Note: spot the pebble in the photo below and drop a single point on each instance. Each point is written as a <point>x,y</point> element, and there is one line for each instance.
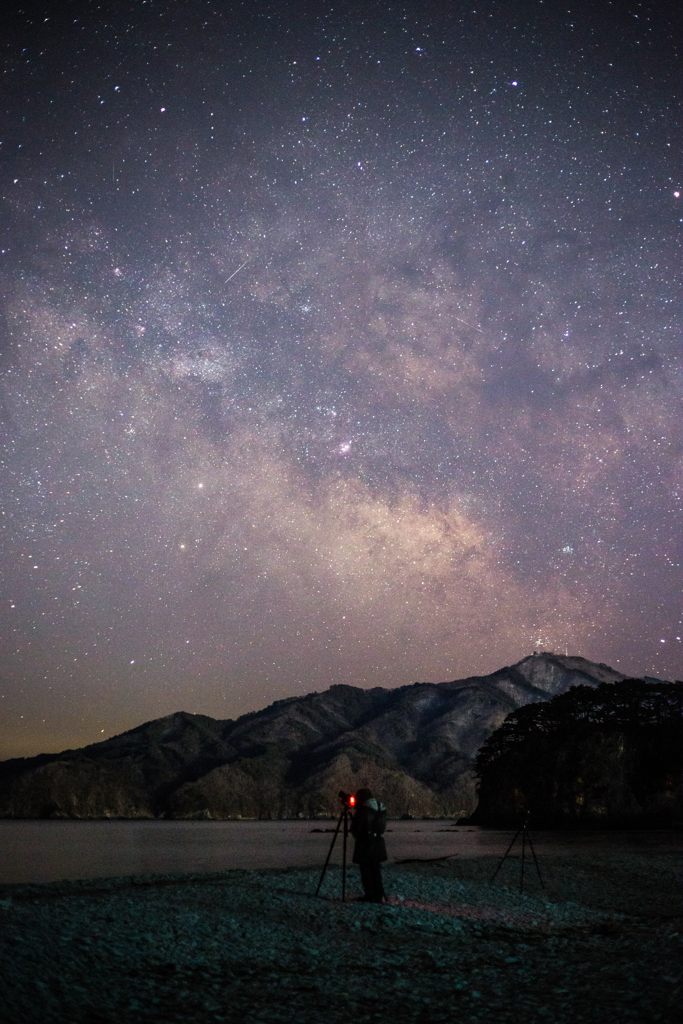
<point>602,941</point>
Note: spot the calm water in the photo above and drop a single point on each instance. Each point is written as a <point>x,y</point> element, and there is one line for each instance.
<point>47,851</point>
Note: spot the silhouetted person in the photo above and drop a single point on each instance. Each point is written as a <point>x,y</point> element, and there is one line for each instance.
<point>367,828</point>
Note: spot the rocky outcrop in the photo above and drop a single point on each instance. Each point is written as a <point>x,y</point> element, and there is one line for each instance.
<point>414,744</point>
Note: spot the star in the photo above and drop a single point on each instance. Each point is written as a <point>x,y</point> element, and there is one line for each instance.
<point>406,424</point>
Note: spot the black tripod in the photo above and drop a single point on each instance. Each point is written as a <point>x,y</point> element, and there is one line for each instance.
<point>344,817</point>
<point>526,838</point>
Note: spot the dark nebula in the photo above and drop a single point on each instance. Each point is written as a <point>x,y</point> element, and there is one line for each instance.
<point>340,343</point>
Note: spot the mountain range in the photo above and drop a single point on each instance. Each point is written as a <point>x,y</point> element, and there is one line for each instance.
<point>415,745</point>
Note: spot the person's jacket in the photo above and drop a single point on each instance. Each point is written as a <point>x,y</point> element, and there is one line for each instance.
<point>367,827</point>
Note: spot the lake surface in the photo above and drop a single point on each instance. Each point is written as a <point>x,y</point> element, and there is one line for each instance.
<point>48,851</point>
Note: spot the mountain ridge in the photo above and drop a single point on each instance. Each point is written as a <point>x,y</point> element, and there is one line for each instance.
<point>416,744</point>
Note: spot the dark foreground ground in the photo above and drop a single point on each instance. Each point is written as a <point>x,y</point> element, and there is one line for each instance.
<point>602,942</point>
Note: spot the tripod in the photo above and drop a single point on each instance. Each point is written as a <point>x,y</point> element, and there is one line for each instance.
<point>343,817</point>
<point>526,838</point>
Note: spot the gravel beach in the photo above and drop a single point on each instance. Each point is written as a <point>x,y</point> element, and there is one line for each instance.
<point>602,941</point>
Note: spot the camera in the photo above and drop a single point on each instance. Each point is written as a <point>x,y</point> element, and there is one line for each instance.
<point>347,799</point>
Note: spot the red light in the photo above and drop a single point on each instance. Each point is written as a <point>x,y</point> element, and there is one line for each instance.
<point>352,800</point>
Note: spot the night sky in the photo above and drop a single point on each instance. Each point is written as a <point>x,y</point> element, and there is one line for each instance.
<point>341,343</point>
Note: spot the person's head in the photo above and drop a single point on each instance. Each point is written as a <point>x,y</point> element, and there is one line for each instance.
<point>363,795</point>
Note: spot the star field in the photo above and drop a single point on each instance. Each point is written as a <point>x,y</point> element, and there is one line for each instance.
<point>340,345</point>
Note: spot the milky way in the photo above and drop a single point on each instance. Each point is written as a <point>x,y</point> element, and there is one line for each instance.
<point>340,345</point>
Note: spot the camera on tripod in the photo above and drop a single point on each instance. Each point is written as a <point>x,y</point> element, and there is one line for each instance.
<point>348,803</point>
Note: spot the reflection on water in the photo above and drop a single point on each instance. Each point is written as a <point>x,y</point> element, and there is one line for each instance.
<point>47,851</point>
<point>42,851</point>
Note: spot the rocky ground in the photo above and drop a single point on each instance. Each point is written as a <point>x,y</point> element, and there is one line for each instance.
<point>603,941</point>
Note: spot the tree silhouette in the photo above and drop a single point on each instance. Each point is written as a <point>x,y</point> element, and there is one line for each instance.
<point>537,758</point>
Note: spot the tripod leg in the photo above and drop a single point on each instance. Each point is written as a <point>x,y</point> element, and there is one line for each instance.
<point>533,853</point>
<point>521,884</point>
<point>329,853</point>
<point>503,858</point>
<point>346,833</point>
